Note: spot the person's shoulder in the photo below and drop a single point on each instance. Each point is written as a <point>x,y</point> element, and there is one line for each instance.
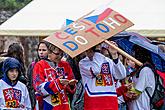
<point>41,62</point>
<point>86,59</point>
<point>97,54</point>
<point>100,56</point>
<point>3,84</point>
<point>21,84</point>
<point>31,64</point>
<point>1,81</point>
<point>63,62</point>
<point>146,70</point>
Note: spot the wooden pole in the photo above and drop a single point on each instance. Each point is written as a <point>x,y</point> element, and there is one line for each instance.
<point>124,53</point>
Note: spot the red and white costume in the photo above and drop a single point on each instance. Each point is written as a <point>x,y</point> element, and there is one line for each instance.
<point>46,83</point>
<point>98,79</point>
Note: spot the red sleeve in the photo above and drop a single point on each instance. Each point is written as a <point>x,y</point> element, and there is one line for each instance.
<point>121,90</point>
<point>67,69</point>
<point>55,86</point>
<point>70,89</point>
<point>39,79</point>
<point>38,74</point>
<point>69,73</point>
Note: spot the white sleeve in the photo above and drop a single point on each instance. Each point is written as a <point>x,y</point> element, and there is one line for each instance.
<point>118,70</point>
<point>84,70</point>
<point>27,99</point>
<point>145,79</point>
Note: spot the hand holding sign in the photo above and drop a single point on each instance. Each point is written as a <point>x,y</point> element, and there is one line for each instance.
<point>112,50</point>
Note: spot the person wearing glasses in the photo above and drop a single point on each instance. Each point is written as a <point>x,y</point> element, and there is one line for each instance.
<point>53,79</point>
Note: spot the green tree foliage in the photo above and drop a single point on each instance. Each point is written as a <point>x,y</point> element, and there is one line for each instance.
<point>13,4</point>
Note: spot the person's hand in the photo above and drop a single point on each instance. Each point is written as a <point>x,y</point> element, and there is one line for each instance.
<point>129,86</point>
<point>73,82</point>
<point>64,81</point>
<point>132,95</point>
<point>112,50</point>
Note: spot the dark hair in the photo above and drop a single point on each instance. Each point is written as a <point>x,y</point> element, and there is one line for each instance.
<point>142,54</point>
<point>95,49</point>
<point>42,42</point>
<point>15,50</point>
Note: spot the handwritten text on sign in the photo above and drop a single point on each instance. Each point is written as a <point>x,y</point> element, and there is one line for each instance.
<point>89,31</point>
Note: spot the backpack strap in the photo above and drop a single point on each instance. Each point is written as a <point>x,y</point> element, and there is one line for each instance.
<point>81,92</point>
<point>157,80</point>
<point>148,93</point>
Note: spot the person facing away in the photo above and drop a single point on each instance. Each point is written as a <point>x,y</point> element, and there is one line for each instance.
<point>13,93</point>
<point>15,50</point>
<point>98,73</point>
<point>52,79</point>
<point>143,80</point>
<point>42,53</point>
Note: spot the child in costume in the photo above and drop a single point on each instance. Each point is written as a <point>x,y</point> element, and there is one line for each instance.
<point>13,93</point>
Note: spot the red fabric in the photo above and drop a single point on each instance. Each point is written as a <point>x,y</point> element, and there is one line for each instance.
<point>162,75</point>
<point>71,91</point>
<point>67,69</point>
<point>40,76</point>
<point>121,90</point>
<point>53,86</point>
<point>40,102</point>
<point>100,103</point>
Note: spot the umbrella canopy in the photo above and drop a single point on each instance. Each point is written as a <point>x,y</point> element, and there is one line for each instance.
<point>127,40</point>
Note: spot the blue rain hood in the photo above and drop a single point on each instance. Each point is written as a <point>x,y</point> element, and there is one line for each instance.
<point>8,64</point>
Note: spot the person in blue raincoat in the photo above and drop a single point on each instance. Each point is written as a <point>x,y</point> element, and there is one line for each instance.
<point>13,93</point>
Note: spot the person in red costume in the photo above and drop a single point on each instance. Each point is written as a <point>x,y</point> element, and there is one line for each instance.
<point>52,80</point>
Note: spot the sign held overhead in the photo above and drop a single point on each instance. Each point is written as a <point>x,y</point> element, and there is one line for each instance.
<point>89,31</point>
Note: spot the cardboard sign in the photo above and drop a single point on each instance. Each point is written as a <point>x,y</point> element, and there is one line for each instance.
<point>89,31</point>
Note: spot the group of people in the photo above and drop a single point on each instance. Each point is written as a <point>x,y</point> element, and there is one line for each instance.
<point>53,79</point>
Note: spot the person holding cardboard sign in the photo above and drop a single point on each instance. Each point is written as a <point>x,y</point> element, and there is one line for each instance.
<point>52,80</point>
<point>98,73</point>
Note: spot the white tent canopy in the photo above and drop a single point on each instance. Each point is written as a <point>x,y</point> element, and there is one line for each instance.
<point>147,15</point>
<point>43,17</point>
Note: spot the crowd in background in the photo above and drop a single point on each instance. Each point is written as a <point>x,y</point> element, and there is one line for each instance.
<point>98,79</point>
